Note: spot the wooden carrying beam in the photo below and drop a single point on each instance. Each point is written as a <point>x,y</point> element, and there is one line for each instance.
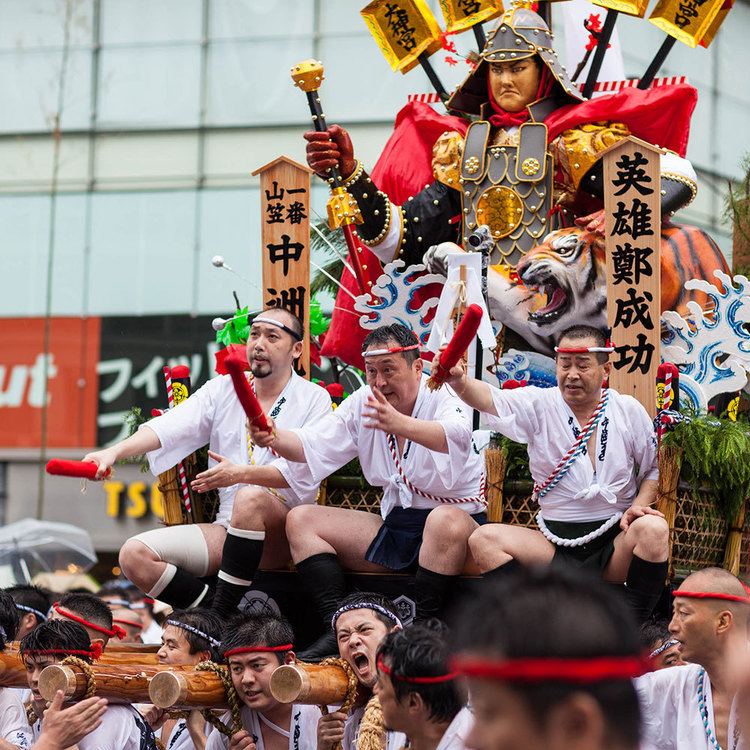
<point>12,670</point>
<point>130,684</point>
<point>187,688</point>
<point>117,657</point>
<point>313,684</point>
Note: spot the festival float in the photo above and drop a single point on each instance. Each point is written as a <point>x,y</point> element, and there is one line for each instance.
<point>462,227</point>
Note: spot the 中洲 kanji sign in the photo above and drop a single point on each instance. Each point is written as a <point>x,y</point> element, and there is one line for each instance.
<point>632,203</point>
<point>285,242</point>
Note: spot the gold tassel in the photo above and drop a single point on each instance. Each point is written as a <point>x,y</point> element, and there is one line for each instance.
<point>734,542</point>
<point>372,733</point>
<point>670,463</point>
<point>496,461</point>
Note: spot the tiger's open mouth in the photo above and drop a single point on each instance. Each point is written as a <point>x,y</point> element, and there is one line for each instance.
<point>558,298</point>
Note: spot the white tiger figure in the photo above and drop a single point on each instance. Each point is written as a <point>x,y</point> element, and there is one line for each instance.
<point>562,281</point>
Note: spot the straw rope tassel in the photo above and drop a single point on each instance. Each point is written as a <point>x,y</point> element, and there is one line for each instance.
<point>496,462</point>
<point>734,541</point>
<point>670,462</point>
<point>372,732</point>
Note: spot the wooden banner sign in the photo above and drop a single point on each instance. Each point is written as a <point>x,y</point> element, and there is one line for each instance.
<point>285,238</point>
<point>632,204</point>
<point>404,30</point>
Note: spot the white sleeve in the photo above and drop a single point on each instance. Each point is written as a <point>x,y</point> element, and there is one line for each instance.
<point>297,475</point>
<point>331,442</point>
<point>455,420</point>
<point>13,725</point>
<point>184,429</point>
<point>387,248</point>
<point>516,416</point>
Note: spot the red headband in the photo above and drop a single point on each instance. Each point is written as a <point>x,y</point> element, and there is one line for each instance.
<point>713,595</point>
<point>258,649</point>
<point>132,624</point>
<point>391,350</point>
<point>565,670</point>
<point>432,680</point>
<point>95,652</point>
<point>116,629</point>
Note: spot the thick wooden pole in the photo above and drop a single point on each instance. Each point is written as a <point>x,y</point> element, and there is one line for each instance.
<point>120,658</point>
<point>312,684</point>
<point>114,646</point>
<point>129,684</point>
<point>187,689</point>
<point>12,670</point>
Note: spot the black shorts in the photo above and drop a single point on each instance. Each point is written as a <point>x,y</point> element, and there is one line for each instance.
<point>592,557</point>
<point>397,543</point>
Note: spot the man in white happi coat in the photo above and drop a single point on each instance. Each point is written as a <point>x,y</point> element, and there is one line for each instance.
<point>253,650</point>
<point>414,443</point>
<point>169,563</point>
<point>361,623</point>
<point>189,637</point>
<point>419,694</point>
<point>121,727</point>
<point>694,706</point>
<point>595,507</point>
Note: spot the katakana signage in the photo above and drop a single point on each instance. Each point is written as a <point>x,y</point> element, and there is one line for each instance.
<point>632,204</point>
<point>285,242</point>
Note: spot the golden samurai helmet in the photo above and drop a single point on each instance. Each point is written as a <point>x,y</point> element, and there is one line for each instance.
<point>520,33</point>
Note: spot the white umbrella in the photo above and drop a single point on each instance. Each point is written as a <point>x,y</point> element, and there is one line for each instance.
<point>30,547</point>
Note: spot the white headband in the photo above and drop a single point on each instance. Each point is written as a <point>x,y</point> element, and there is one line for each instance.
<point>664,646</point>
<point>278,324</point>
<point>32,610</point>
<point>191,629</point>
<point>364,605</point>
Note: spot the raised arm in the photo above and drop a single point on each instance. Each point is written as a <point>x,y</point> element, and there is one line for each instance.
<point>381,415</point>
<point>143,441</point>
<point>285,442</point>
<point>472,392</point>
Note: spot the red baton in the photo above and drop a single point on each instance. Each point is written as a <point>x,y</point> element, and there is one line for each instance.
<point>457,346</point>
<point>64,468</point>
<point>236,370</point>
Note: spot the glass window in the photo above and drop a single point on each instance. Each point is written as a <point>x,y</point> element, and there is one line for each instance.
<point>29,85</point>
<point>149,87</point>
<point>249,82</point>
<point>230,227</point>
<point>142,252</point>
<point>40,23</point>
<point>25,222</point>
<point>144,21</point>
<point>235,19</point>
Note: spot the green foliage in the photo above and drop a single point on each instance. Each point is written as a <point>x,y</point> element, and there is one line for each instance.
<point>517,457</point>
<point>335,267</point>
<point>715,455</point>
<point>737,201</point>
<point>319,322</point>
<point>134,418</point>
<point>235,331</point>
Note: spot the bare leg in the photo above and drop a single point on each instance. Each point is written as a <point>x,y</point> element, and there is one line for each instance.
<point>495,544</point>
<point>321,541</point>
<point>315,529</point>
<point>445,544</point>
<point>647,538</point>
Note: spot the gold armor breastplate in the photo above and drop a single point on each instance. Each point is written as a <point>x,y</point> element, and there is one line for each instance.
<point>507,187</point>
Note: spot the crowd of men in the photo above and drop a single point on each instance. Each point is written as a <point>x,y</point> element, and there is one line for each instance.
<point>545,651</point>
<point>543,658</point>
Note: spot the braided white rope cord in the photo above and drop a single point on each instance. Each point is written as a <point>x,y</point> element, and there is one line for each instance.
<point>481,498</point>
<point>581,540</point>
